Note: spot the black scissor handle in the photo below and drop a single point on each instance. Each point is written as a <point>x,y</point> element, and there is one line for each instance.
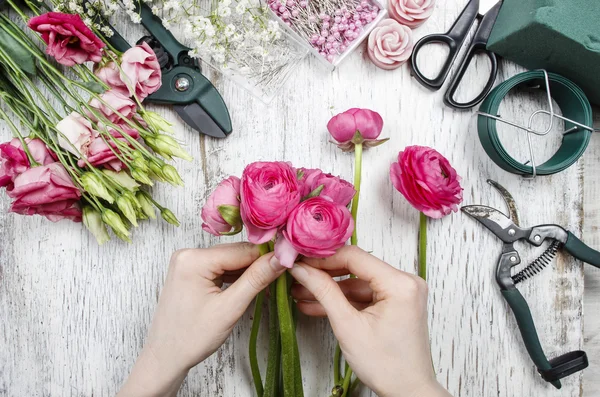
<point>454,39</point>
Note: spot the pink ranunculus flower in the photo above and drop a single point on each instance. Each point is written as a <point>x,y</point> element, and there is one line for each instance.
<point>269,192</point>
<point>316,228</point>
<point>110,74</point>
<point>227,193</point>
<point>334,188</point>
<point>390,44</point>
<point>114,100</point>
<point>344,126</point>
<point>14,160</point>
<point>76,134</point>
<point>69,40</point>
<point>48,191</point>
<point>427,180</point>
<point>141,71</point>
<point>411,13</point>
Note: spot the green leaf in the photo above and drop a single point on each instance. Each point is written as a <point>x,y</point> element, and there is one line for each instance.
<point>230,214</point>
<point>94,86</point>
<point>17,52</point>
<point>316,192</point>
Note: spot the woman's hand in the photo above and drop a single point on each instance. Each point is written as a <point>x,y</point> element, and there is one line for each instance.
<point>195,316</point>
<point>379,319</point>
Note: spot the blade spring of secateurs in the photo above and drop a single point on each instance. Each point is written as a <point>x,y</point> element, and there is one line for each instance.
<point>539,264</point>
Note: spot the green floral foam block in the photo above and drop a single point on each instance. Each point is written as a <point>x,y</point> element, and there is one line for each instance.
<point>561,36</point>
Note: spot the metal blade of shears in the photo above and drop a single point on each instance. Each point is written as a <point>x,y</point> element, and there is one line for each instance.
<point>198,119</point>
<point>509,200</point>
<point>496,222</point>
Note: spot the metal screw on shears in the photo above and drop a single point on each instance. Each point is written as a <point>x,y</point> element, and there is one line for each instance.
<point>537,238</point>
<point>511,232</point>
<point>513,259</point>
<point>182,84</point>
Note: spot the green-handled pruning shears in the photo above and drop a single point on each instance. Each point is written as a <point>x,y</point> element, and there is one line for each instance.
<point>193,97</point>
<point>508,230</point>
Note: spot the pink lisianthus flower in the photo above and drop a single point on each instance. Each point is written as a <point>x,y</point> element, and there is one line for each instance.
<point>69,40</point>
<point>427,180</point>
<point>110,74</point>
<point>141,71</point>
<point>227,195</point>
<point>99,153</point>
<point>356,126</point>
<point>316,228</point>
<point>14,160</point>
<point>269,192</point>
<point>110,100</point>
<point>335,188</point>
<point>48,191</point>
<point>75,134</point>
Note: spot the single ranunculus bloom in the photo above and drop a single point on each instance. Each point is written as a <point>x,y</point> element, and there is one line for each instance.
<point>114,102</point>
<point>69,40</point>
<point>141,71</point>
<point>316,228</point>
<point>269,192</point>
<point>345,126</point>
<point>411,13</point>
<point>335,188</point>
<point>48,191</point>
<point>226,194</point>
<point>76,134</point>
<point>14,160</point>
<point>110,74</point>
<point>427,180</point>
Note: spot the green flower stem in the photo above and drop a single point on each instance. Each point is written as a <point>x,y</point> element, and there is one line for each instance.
<point>358,149</point>
<point>346,383</point>
<point>354,385</point>
<point>274,357</point>
<point>423,246</point>
<point>337,363</point>
<point>258,385</point>
<point>289,348</point>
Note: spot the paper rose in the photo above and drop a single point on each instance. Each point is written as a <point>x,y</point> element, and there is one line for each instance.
<point>356,126</point>
<point>69,40</point>
<point>390,44</point>
<point>411,13</point>
<point>221,213</point>
<point>427,180</point>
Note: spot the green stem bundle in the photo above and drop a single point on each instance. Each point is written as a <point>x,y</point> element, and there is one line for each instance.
<point>423,246</point>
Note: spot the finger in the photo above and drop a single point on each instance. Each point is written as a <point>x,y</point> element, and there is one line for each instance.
<point>379,274</point>
<point>214,261</point>
<point>326,291</point>
<point>354,289</point>
<point>256,278</point>
<point>315,309</point>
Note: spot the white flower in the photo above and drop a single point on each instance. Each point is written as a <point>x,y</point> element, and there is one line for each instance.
<point>224,3</point>
<point>229,30</point>
<point>166,24</point>
<point>273,27</point>
<point>224,11</point>
<point>241,8</point>
<point>218,57</point>
<point>155,10</point>
<point>258,50</point>
<point>209,31</point>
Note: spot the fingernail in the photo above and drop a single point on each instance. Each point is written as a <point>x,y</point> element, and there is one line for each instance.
<point>299,273</point>
<point>275,264</point>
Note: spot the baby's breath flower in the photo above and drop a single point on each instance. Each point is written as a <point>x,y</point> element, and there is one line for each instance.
<point>229,30</point>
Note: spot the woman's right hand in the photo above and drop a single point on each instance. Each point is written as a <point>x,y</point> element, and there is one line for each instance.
<point>382,330</point>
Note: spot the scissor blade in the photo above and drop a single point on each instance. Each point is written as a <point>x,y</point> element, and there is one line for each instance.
<point>198,119</point>
<point>496,222</point>
<point>508,199</point>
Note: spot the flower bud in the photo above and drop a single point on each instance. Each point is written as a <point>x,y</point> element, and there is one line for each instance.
<point>141,176</point>
<point>169,217</point>
<point>92,219</point>
<point>94,186</point>
<point>113,220</point>
<point>146,205</point>
<point>157,122</point>
<point>127,208</point>
<point>167,147</point>
<point>122,179</point>
<point>156,171</point>
<point>171,175</point>
<point>139,161</point>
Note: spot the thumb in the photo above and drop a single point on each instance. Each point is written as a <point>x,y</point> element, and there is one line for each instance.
<point>326,291</point>
<point>256,278</point>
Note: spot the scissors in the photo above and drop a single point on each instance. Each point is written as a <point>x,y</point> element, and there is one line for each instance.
<point>454,39</point>
<point>507,229</point>
<point>192,95</point>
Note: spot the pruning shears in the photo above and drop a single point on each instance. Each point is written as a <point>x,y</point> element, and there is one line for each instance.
<point>192,95</point>
<point>507,229</point>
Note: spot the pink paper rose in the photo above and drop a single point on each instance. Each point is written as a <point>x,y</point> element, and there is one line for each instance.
<point>226,194</point>
<point>110,74</point>
<point>411,13</point>
<point>316,228</point>
<point>14,161</point>
<point>344,126</point>
<point>114,100</point>
<point>427,180</point>
<point>141,71</point>
<point>269,192</point>
<point>334,188</point>
<point>69,40</point>
<point>48,191</point>
<point>390,44</point>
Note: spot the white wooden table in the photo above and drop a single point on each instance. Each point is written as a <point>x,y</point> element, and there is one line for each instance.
<point>73,316</point>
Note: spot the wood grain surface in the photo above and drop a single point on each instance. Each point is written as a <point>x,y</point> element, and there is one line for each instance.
<point>73,316</point>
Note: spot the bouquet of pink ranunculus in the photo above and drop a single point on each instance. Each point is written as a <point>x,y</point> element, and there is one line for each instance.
<point>293,211</point>
<point>85,150</point>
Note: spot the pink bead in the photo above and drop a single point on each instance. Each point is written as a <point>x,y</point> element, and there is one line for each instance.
<point>333,51</point>
<point>336,35</point>
<point>336,45</point>
<point>337,19</point>
<point>325,25</point>
<point>330,58</point>
<point>331,38</point>
<point>368,19</point>
<point>344,20</point>
<point>288,23</point>
<point>328,46</point>
<point>303,4</point>
<point>358,24</point>
<point>352,26</point>
<point>356,17</point>
<point>373,14</point>
<point>327,18</point>
<point>324,33</point>
<point>376,9</point>
<point>290,3</point>
<point>286,15</point>
<point>295,13</point>
<point>348,33</point>
<point>364,4</point>
<point>343,48</point>
<point>321,40</point>
<point>347,15</point>
<point>322,15</point>
<point>282,9</point>
<point>351,38</point>
<point>338,12</point>
<point>314,38</point>
<point>335,28</point>
<point>359,8</point>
